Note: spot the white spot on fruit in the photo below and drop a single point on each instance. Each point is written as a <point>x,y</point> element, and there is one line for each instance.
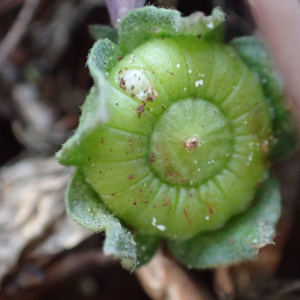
<point>135,81</point>
<point>159,227</point>
<point>178,65</point>
<point>199,82</point>
<point>210,25</point>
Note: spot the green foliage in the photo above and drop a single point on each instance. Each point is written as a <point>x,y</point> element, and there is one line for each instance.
<point>146,246</point>
<point>104,32</point>
<point>254,54</point>
<point>240,239</point>
<point>85,208</point>
<point>149,22</point>
<point>103,56</point>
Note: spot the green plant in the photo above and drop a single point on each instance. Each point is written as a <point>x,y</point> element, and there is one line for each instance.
<point>175,140</point>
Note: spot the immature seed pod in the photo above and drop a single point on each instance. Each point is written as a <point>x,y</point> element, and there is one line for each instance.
<point>186,143</point>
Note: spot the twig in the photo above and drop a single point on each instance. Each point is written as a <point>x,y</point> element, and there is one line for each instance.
<point>223,284</point>
<point>18,29</point>
<point>163,279</point>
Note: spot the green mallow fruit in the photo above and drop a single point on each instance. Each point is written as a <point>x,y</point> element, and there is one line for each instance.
<point>185,146</point>
<point>174,140</point>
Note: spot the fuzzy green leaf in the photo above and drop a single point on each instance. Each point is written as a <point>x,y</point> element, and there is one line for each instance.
<point>142,24</point>
<point>102,58</point>
<point>84,206</point>
<point>253,53</point>
<point>104,32</point>
<point>146,246</point>
<point>210,27</point>
<point>240,239</point>
<point>149,22</point>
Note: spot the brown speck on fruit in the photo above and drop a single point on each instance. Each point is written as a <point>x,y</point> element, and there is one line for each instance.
<point>185,213</point>
<point>132,87</point>
<point>117,103</point>
<point>134,202</point>
<point>122,83</point>
<point>199,36</point>
<point>149,98</point>
<point>120,58</point>
<point>89,158</point>
<point>190,194</point>
<point>112,194</point>
<point>145,201</point>
<point>140,109</point>
<point>166,203</point>
<point>152,158</point>
<point>211,211</point>
<point>129,142</point>
<point>102,141</point>
<point>130,176</point>
<point>132,94</point>
<point>265,148</point>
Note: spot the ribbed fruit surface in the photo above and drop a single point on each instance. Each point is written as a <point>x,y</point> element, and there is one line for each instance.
<point>187,139</point>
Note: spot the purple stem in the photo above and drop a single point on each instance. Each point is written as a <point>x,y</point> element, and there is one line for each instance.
<point>119,8</point>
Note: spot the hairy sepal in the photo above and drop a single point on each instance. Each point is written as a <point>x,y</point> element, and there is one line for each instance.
<point>149,22</point>
<point>240,239</point>
<point>102,57</point>
<point>252,51</point>
<point>146,247</point>
<point>98,32</point>
<point>210,27</point>
<point>85,207</point>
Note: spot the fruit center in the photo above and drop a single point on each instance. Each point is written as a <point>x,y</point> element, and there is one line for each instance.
<point>190,142</point>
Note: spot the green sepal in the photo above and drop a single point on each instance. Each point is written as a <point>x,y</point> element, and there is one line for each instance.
<point>141,25</point>
<point>102,57</point>
<point>104,32</point>
<point>252,51</point>
<point>146,247</point>
<point>85,207</point>
<point>240,239</point>
<point>210,27</point>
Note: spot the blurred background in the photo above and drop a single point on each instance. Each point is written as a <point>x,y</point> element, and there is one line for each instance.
<point>43,254</point>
